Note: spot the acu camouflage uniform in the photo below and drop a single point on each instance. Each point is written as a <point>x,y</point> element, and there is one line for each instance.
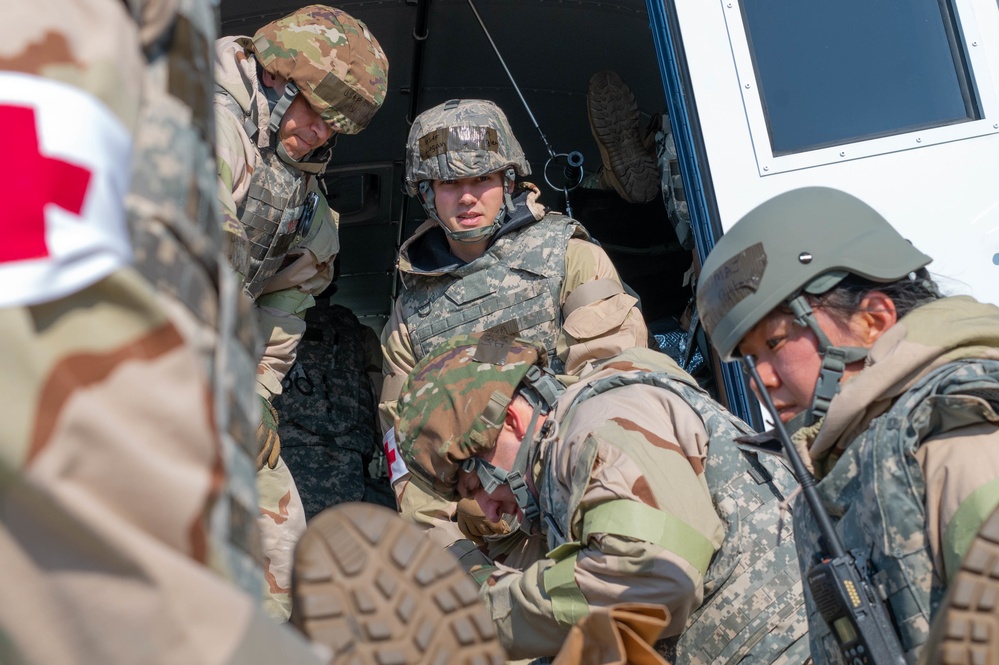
<point>127,485</point>
<point>611,487</point>
<point>644,498</point>
<point>328,421</point>
<point>282,265</point>
<point>908,457</point>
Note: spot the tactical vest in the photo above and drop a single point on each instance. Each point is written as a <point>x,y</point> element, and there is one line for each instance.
<point>876,496</point>
<point>270,213</point>
<point>753,610</point>
<point>177,242</point>
<point>518,279</point>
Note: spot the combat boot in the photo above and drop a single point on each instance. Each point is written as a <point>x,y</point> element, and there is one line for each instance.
<point>966,630</point>
<point>629,164</point>
<point>376,591</point>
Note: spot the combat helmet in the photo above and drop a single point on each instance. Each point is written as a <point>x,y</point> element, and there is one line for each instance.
<point>453,406</point>
<point>802,242</point>
<point>329,57</point>
<point>462,138</point>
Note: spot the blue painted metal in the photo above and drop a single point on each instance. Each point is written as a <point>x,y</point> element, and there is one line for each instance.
<point>696,179</point>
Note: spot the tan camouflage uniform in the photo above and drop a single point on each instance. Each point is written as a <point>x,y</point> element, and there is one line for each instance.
<point>643,498</point>
<point>127,457</point>
<point>910,474</point>
<point>281,270</point>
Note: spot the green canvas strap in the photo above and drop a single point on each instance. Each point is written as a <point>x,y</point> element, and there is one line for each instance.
<point>630,519</point>
<point>292,301</point>
<point>640,521</point>
<point>964,525</point>
<point>568,603</point>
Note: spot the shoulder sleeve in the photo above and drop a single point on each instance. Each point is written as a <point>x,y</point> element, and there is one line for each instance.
<point>398,360</point>
<point>961,470</point>
<point>599,319</point>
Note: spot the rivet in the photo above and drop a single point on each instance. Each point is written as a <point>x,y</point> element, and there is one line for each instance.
<point>995,125</point>
<point>974,43</point>
<point>805,257</point>
<point>842,154</point>
<point>766,168</point>
<point>747,86</point>
<point>919,140</point>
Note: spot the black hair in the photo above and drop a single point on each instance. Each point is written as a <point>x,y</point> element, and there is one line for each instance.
<point>908,293</point>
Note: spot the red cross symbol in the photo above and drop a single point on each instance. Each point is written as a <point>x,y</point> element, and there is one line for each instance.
<point>390,453</point>
<point>29,181</point>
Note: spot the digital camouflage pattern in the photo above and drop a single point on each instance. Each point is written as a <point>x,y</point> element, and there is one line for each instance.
<point>516,282</point>
<point>908,490</point>
<point>334,60</point>
<point>328,420</point>
<point>262,200</point>
<point>127,488</point>
<point>452,405</point>
<point>753,610</point>
<point>461,138</point>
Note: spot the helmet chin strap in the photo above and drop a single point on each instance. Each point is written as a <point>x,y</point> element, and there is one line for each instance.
<point>834,360</point>
<point>471,235</point>
<point>316,160</point>
<point>541,391</point>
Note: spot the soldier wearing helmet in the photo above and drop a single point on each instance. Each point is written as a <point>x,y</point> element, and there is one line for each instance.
<point>633,478</point>
<point>491,255</point>
<point>282,97</point>
<point>891,388</point>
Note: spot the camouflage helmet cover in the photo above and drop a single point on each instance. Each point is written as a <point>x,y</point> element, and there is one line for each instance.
<point>461,138</point>
<point>807,240</point>
<point>334,60</point>
<point>454,402</point>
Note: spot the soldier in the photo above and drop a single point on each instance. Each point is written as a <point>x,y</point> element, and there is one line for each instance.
<point>127,457</point>
<point>492,255</point>
<point>127,494</point>
<point>281,99</point>
<point>890,390</point>
<point>633,477</point>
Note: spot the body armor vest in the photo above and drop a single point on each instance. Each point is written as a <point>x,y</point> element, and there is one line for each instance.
<point>876,494</point>
<point>270,213</point>
<point>753,610</point>
<point>177,241</point>
<point>518,279</point>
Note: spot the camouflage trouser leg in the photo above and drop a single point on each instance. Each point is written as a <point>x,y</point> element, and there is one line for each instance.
<point>282,523</point>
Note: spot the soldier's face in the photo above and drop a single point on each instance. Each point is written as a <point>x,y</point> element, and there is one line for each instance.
<point>788,359</point>
<point>302,130</point>
<point>469,203</point>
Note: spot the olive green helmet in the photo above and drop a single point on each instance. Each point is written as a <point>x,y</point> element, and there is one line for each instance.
<point>803,241</point>
<point>332,59</point>
<point>454,402</point>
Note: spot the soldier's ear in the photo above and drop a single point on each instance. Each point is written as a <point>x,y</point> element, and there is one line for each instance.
<point>514,419</point>
<point>874,317</point>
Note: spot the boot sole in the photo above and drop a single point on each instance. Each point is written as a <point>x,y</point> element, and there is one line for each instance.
<point>967,630</point>
<point>376,591</point>
<point>614,121</point>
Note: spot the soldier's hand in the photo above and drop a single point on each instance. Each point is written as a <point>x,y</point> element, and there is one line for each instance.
<point>267,436</point>
<point>473,523</point>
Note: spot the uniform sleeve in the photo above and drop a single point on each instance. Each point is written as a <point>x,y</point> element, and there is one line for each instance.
<point>643,530</point>
<point>233,183</point>
<point>291,292</point>
<point>961,470</point>
<point>599,319</point>
<point>398,360</point>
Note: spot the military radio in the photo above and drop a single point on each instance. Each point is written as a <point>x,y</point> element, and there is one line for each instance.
<point>840,584</point>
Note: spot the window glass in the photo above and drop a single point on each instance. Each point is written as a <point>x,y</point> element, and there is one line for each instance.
<point>837,72</point>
